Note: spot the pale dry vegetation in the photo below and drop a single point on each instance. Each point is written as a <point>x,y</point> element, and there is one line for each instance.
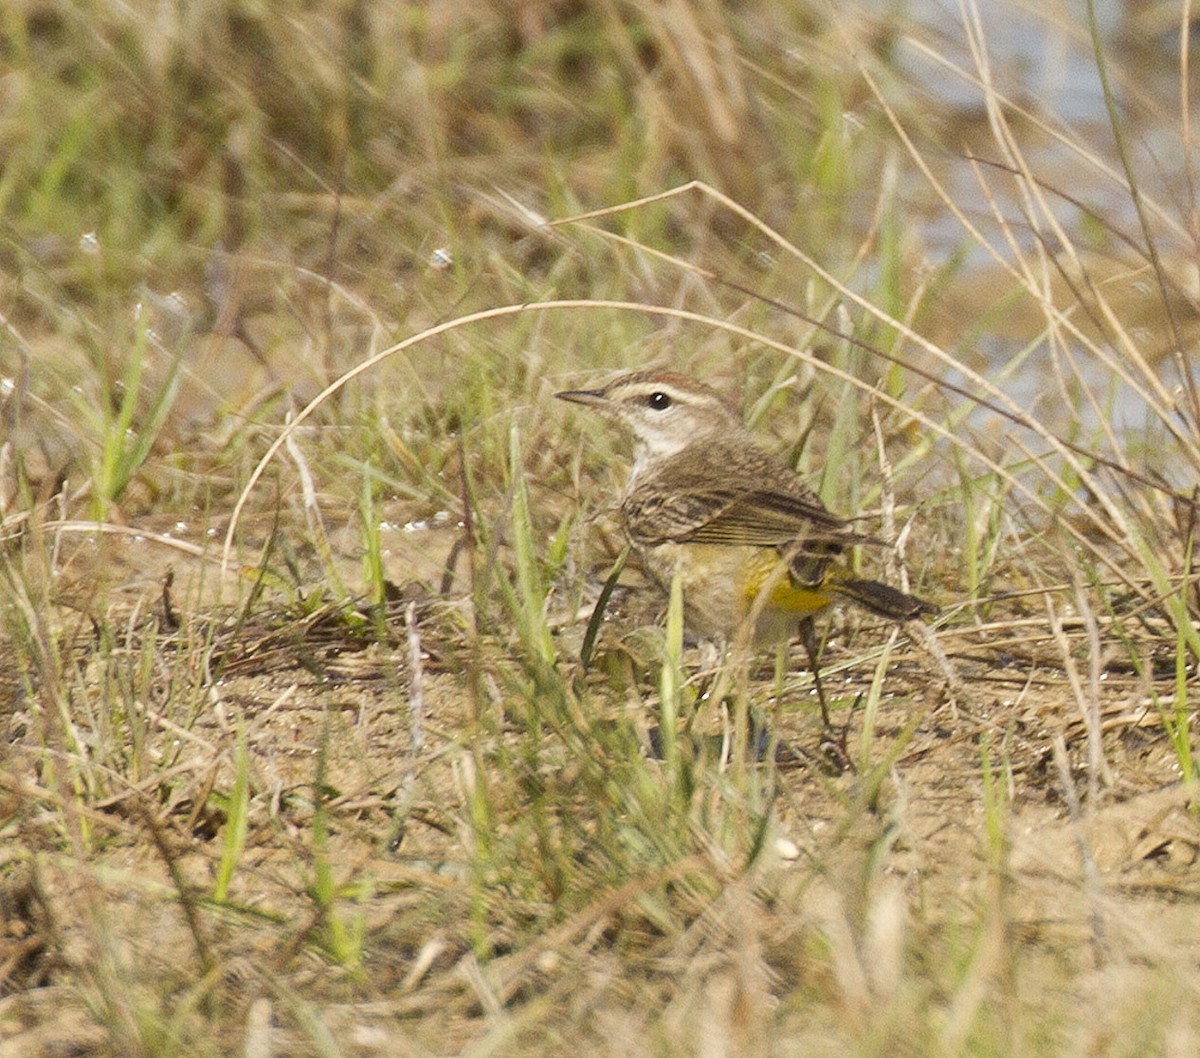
<point>312,743</point>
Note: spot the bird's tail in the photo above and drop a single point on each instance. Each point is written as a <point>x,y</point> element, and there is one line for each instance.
<point>881,599</point>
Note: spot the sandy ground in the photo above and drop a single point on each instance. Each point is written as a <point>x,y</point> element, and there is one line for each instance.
<point>1096,889</point>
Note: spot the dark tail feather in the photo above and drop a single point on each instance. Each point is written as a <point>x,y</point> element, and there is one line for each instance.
<point>882,600</point>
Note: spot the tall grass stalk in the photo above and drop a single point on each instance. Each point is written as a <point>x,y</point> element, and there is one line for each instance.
<point>341,935</point>
<point>127,430</point>
<point>670,685</point>
<point>237,820</point>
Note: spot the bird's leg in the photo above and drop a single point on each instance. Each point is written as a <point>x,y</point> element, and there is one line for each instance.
<point>833,744</point>
<point>808,636</point>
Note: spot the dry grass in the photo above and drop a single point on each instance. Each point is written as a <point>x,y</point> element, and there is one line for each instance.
<point>298,558</point>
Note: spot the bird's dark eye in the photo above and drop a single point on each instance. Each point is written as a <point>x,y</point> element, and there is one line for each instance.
<point>658,400</point>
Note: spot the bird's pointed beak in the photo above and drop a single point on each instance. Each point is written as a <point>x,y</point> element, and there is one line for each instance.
<point>593,398</point>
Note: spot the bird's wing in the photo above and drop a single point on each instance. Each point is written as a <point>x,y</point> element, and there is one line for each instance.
<point>718,515</point>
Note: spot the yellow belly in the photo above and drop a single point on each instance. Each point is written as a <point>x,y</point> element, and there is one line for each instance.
<point>797,600</point>
<point>721,582</point>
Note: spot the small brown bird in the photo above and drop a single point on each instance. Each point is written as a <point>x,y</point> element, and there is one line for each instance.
<point>705,503</point>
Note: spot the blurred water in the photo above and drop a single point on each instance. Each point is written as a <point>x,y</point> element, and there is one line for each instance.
<point>1041,58</point>
<point>1043,45</point>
